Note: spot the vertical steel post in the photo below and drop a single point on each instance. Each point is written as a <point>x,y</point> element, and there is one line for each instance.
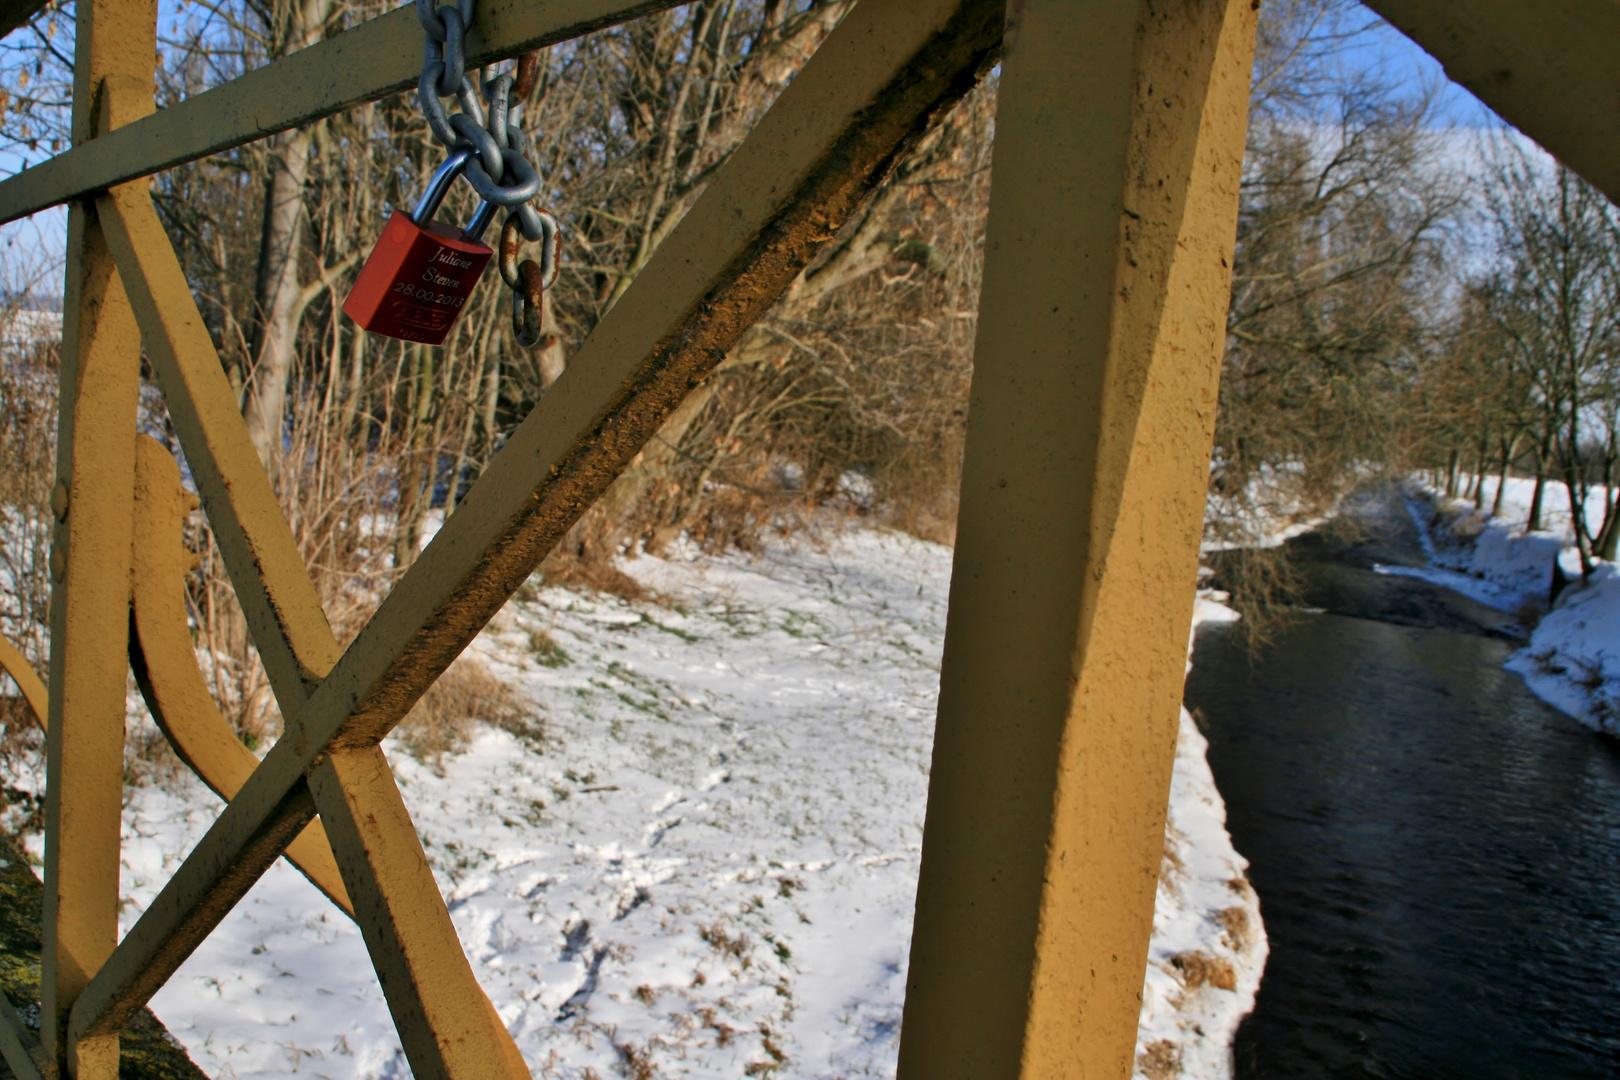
<point>1119,142</point>
<point>90,560</point>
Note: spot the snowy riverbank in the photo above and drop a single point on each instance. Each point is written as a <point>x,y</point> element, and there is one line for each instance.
<point>1209,944</point>
<point>706,867</point>
<point>1572,658</point>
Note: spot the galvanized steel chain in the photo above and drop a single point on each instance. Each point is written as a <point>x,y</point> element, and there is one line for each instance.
<point>499,169</point>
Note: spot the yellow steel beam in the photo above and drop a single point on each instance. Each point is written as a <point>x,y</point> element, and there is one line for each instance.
<point>16,665</point>
<point>1119,142</point>
<point>283,611</point>
<point>445,1022</point>
<point>115,41</point>
<point>378,57</point>
<point>1548,68</point>
<point>164,657</point>
<point>884,75</point>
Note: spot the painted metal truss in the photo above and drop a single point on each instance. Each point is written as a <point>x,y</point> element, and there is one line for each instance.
<point>1120,134</point>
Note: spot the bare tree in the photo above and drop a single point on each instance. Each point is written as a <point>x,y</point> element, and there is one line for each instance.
<point>284,26</point>
<point>1341,231</point>
<point>1554,304</point>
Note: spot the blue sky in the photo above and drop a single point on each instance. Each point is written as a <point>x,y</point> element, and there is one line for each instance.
<point>1386,50</point>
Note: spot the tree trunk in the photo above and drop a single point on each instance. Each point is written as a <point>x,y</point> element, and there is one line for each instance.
<point>1610,545</point>
<point>1533,523</point>
<point>1451,475</point>
<point>407,526</point>
<point>1577,520</point>
<point>1607,544</point>
<point>492,398</point>
<point>1609,540</point>
<point>281,242</point>
<point>351,391</point>
<point>1508,448</point>
<point>277,293</point>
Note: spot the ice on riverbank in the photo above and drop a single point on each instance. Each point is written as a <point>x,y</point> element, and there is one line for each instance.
<point>706,867</point>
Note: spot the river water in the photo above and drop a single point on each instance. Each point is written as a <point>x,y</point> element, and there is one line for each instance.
<point>1437,852</point>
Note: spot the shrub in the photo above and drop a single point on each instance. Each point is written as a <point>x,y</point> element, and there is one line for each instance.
<point>443,720</point>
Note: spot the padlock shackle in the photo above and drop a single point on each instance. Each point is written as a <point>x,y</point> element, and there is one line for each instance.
<point>439,186</point>
<point>480,221</point>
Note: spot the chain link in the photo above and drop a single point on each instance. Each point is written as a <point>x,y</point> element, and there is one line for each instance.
<point>499,168</point>
<point>528,279</point>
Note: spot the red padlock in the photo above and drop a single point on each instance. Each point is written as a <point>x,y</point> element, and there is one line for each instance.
<point>421,272</point>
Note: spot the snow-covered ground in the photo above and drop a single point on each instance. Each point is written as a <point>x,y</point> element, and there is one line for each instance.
<point>1555,517</point>
<point>1492,561</point>
<point>1572,660</point>
<point>706,866</point>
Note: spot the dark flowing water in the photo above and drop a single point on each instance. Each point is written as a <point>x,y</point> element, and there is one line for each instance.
<point>1437,853</point>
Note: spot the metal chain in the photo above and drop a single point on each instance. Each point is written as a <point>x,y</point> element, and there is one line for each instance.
<point>499,169</point>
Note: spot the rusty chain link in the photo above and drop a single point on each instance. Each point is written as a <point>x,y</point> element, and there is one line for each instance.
<point>528,280</point>
<point>499,170</point>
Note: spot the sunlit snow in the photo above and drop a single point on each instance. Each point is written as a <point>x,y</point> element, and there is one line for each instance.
<point>706,866</point>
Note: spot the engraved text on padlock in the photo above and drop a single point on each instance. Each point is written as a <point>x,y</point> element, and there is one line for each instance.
<point>421,273</point>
